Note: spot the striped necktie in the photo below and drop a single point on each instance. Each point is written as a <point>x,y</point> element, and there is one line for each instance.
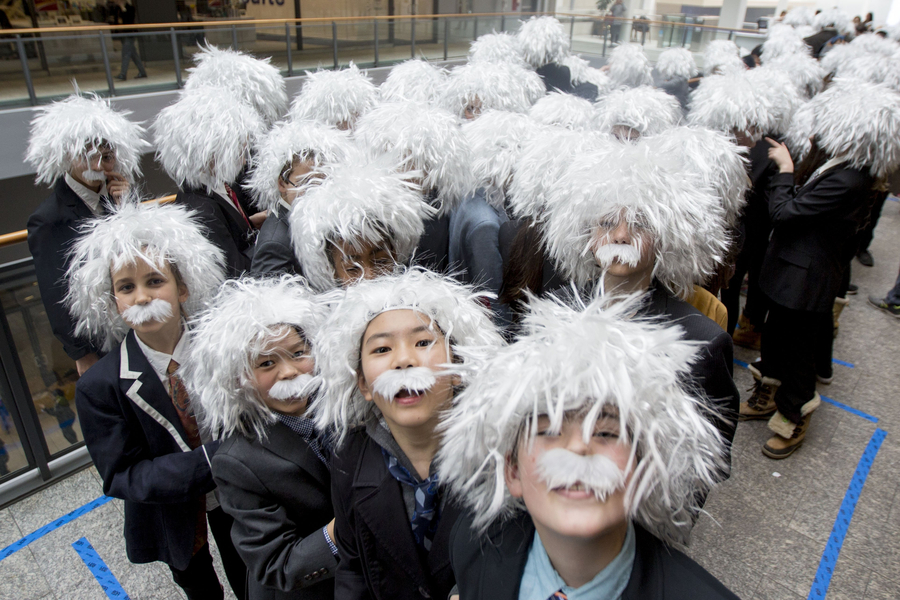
<point>558,596</point>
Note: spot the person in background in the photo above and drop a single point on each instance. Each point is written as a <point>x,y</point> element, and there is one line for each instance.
<point>128,16</point>
<point>618,11</point>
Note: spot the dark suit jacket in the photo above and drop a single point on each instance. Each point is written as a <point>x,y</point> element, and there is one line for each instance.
<point>279,494</point>
<point>51,231</point>
<point>274,253</point>
<point>491,567</point>
<point>224,227</point>
<point>379,558</point>
<point>433,251</point>
<point>813,236</point>
<point>140,449</point>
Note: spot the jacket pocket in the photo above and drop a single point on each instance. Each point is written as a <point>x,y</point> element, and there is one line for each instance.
<point>798,259</point>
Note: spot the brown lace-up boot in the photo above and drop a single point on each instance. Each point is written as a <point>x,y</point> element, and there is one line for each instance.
<point>746,335</point>
<point>789,435</point>
<point>761,403</point>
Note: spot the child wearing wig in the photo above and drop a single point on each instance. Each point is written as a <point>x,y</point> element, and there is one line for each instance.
<point>251,369</point>
<point>381,356</point>
<point>133,277</point>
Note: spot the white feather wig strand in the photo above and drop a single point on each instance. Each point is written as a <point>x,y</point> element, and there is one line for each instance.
<point>204,139</point>
<point>254,81</point>
<point>243,319</point>
<point>496,139</point>
<point>77,126</point>
<point>782,94</point>
<point>731,102</point>
<point>419,137</point>
<point>714,159</point>
<point>356,203</point>
<point>676,63</point>
<point>334,97</point>
<point>494,86</point>
<point>501,48</point>
<point>629,66</point>
<point>583,360</point>
<point>801,128</point>
<point>802,16</point>
<point>722,57</point>
<point>564,110</point>
<point>542,40</point>
<point>803,71</point>
<point>305,140</point>
<point>645,109</point>
<point>872,68</point>
<point>834,19</point>
<point>458,311</point>
<point>839,55</point>
<point>414,80</point>
<point>872,43</point>
<point>783,41</point>
<point>580,71</point>
<point>152,233</point>
<point>685,220</point>
<point>860,120</point>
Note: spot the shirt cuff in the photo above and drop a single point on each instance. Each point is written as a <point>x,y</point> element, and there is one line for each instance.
<point>330,543</point>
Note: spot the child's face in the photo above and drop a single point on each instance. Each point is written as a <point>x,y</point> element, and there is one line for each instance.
<point>574,512</point>
<point>401,339</point>
<point>140,285</point>
<point>631,239</point>
<point>284,359</point>
<point>290,184</point>
<point>369,262</point>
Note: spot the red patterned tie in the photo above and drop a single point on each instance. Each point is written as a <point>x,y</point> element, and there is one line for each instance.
<point>558,596</point>
<point>237,205</point>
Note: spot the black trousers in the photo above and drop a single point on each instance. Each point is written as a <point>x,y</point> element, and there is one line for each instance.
<point>868,232</point>
<point>791,344</point>
<point>755,242</point>
<point>199,581</point>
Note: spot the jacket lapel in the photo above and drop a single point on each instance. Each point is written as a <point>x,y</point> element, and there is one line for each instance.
<point>291,447</point>
<point>72,200</point>
<point>505,554</point>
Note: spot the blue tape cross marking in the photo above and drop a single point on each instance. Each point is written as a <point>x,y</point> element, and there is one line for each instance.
<point>49,527</point>
<point>842,523</point>
<point>850,409</point>
<point>99,570</point>
<point>843,363</point>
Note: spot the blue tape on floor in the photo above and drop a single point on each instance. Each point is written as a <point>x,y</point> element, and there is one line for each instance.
<point>99,570</point>
<point>843,363</point>
<point>893,198</point>
<point>741,363</point>
<point>842,523</point>
<point>850,409</point>
<point>38,534</point>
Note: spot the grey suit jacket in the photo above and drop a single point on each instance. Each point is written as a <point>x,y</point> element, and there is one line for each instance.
<point>274,253</point>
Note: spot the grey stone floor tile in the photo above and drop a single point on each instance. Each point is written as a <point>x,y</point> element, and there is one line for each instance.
<point>771,590</point>
<point>21,579</point>
<point>792,560</point>
<point>220,571</point>
<point>849,580</point>
<point>727,567</point>
<point>869,542</point>
<point>880,588</point>
<point>9,531</point>
<point>50,504</point>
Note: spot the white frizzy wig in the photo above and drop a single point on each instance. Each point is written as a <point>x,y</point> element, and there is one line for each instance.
<point>588,361</point>
<point>872,67</point>
<point>676,63</point>
<point>801,128</point>
<point>685,220</point>
<point>564,110</point>
<point>731,102</point>
<point>780,93</point>
<point>356,203</point>
<point>872,43</point>
<point>502,48</point>
<point>150,232</point>
<point>834,19</point>
<point>306,140</point>
<point>414,80</point>
<point>580,71</point>
<point>714,159</point>
<point>204,138</point>
<point>254,81</point>
<point>244,318</point>
<point>645,109</point>
<point>802,16</point>
<point>629,66</point>
<point>73,128</point>
<point>496,86</point>
<point>458,311</point>
<point>334,97</point>
<point>861,121</point>
<point>496,139</point>
<point>804,72</point>
<point>783,41</point>
<point>422,138</point>
<point>839,56</point>
<point>722,57</point>
<point>542,40</point>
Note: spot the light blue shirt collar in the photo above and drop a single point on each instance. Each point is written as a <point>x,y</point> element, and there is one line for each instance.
<point>540,580</point>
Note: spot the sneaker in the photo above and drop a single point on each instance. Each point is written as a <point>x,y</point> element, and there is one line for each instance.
<point>852,289</point>
<point>789,435</point>
<point>865,258</point>
<point>891,309</point>
<point>761,403</point>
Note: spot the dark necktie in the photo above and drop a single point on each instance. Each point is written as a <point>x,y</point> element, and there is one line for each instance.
<point>237,205</point>
<point>425,516</point>
<point>558,596</point>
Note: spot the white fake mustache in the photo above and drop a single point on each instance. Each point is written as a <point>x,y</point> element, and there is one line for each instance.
<point>301,386</point>
<point>91,175</point>
<point>606,254</point>
<point>561,469</point>
<point>415,380</point>
<point>155,310</point>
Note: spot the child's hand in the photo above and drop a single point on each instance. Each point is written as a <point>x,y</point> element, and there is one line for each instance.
<point>257,219</point>
<point>116,185</point>
<point>781,156</point>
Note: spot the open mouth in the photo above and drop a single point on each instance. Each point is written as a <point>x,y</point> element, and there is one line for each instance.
<point>407,396</point>
<point>576,491</point>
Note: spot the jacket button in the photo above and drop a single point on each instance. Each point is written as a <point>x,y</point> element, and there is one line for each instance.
<point>307,577</point>
<point>424,592</point>
<point>323,571</point>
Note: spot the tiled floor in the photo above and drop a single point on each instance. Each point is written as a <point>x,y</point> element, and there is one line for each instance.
<point>765,531</point>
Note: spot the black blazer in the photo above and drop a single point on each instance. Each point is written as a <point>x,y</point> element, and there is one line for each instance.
<point>140,449</point>
<point>279,494</point>
<point>491,567</point>
<point>813,236</point>
<point>224,227</point>
<point>52,229</point>
<point>433,250</point>
<point>274,253</point>
<point>379,558</point>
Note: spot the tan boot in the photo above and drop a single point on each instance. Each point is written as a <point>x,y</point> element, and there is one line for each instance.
<point>761,403</point>
<point>746,335</point>
<point>839,305</point>
<point>789,435</point>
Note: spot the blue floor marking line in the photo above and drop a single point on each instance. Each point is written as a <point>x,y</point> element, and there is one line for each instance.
<point>741,363</point>
<point>843,363</point>
<point>849,409</point>
<point>99,570</point>
<point>50,527</point>
<point>842,522</point>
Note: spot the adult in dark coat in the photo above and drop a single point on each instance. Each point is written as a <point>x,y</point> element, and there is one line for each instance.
<point>491,567</point>
<point>273,252</point>
<point>226,227</point>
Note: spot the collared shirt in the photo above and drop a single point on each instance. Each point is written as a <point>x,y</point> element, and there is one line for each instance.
<point>282,205</point>
<point>159,361</point>
<point>540,580</point>
<point>830,164</point>
<point>90,198</point>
